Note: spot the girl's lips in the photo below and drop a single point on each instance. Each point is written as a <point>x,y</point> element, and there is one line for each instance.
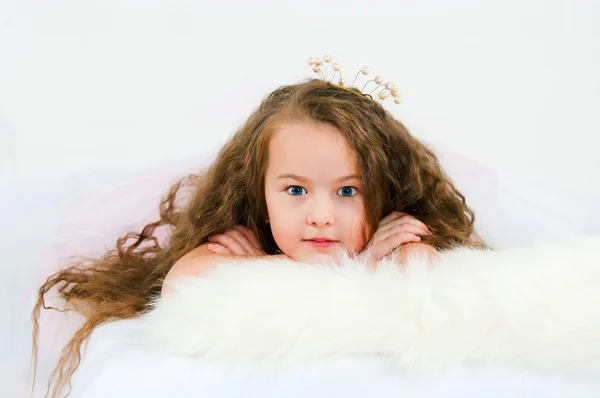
<point>321,243</point>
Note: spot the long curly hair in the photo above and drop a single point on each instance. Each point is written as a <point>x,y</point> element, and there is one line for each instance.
<point>399,174</point>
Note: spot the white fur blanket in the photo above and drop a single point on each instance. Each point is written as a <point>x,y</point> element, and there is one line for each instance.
<point>533,309</point>
<point>518,322</point>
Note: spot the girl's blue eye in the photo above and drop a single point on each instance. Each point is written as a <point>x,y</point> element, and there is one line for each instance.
<point>295,190</point>
<point>347,191</point>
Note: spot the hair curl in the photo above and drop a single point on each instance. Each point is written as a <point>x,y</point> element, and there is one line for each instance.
<point>399,174</point>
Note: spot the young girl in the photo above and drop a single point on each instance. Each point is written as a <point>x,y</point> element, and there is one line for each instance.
<point>316,168</point>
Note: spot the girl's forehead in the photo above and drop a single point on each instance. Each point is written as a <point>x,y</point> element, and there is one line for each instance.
<point>310,142</point>
<point>316,153</point>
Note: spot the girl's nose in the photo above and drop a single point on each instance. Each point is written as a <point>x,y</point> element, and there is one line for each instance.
<point>322,214</point>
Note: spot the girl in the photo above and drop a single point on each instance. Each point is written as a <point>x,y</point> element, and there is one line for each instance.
<point>316,168</point>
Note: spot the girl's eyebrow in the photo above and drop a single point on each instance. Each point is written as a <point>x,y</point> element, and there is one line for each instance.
<point>304,179</point>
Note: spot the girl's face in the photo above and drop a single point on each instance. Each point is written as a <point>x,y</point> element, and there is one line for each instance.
<point>313,192</point>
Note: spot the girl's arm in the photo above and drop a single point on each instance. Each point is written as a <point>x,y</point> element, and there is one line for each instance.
<point>196,262</point>
<point>200,259</point>
<point>409,248</point>
<point>398,233</point>
<point>193,263</point>
<point>239,241</point>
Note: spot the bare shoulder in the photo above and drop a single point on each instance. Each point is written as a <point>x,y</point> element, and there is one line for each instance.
<point>201,250</point>
<point>409,249</point>
<point>193,263</point>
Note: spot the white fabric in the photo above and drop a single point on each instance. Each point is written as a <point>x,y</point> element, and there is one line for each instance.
<point>44,220</point>
<point>138,375</point>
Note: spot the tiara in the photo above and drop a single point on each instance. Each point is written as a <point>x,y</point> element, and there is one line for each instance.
<point>381,91</point>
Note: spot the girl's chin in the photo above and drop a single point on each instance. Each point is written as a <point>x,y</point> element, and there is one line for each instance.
<point>330,256</point>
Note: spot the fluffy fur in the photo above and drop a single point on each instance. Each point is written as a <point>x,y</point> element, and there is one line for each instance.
<point>526,309</point>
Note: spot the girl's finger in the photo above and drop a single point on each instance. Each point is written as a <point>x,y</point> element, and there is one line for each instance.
<point>393,215</point>
<point>230,243</point>
<point>408,223</point>
<point>241,238</point>
<point>406,219</point>
<point>217,248</point>
<point>392,242</point>
<point>249,235</point>
<point>411,228</point>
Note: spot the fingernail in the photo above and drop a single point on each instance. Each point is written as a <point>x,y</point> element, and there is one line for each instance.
<point>211,247</point>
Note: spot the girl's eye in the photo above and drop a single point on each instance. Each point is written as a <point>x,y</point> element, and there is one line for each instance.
<point>347,191</point>
<point>295,190</point>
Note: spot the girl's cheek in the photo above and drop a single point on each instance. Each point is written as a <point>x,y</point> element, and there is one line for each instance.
<point>360,232</point>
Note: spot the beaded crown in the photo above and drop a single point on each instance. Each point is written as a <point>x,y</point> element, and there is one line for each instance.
<point>380,93</point>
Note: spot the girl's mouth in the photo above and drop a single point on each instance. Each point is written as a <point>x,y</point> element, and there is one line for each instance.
<point>320,243</point>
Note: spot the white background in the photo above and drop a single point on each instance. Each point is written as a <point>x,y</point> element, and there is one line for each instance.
<point>511,86</point>
<point>85,85</point>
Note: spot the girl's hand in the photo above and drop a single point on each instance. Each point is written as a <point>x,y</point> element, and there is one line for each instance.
<point>395,229</point>
<point>239,240</point>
